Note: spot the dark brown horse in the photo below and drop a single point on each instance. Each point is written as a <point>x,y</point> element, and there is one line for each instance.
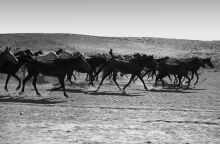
<point>206,61</point>
<point>94,62</point>
<point>133,67</point>
<point>7,56</point>
<point>10,68</point>
<point>55,68</point>
<point>178,68</point>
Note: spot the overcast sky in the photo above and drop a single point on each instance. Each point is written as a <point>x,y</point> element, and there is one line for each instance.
<point>188,19</point>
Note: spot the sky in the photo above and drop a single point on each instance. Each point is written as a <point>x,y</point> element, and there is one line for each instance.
<point>181,19</point>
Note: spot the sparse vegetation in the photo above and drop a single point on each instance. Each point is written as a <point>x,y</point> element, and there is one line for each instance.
<point>124,45</point>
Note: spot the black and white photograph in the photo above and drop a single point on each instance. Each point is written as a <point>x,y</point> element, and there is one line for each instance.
<point>109,72</point>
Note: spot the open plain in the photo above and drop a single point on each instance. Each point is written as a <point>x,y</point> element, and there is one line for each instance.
<point>159,116</point>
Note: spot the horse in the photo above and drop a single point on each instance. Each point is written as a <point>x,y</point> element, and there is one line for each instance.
<point>7,56</point>
<point>206,61</point>
<point>30,54</point>
<point>28,51</point>
<point>94,62</point>
<point>10,68</point>
<point>54,68</point>
<point>133,67</point>
<point>152,72</point>
<point>179,68</point>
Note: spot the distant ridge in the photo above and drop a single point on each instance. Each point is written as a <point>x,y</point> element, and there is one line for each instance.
<point>123,45</point>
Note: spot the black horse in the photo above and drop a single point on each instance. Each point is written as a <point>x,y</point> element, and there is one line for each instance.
<point>28,51</point>
<point>7,56</point>
<point>10,68</point>
<point>151,72</point>
<point>208,62</point>
<point>178,68</point>
<point>94,62</point>
<point>55,68</point>
<point>133,67</point>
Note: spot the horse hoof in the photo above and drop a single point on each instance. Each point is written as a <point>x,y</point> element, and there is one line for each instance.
<point>20,93</point>
<point>66,95</point>
<point>39,94</point>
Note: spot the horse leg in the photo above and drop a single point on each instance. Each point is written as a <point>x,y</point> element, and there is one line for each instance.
<point>132,77</point>
<point>189,80</point>
<point>103,78</point>
<point>175,79</point>
<point>192,75</point>
<point>61,80</point>
<point>197,76</point>
<point>142,82</point>
<point>34,84</point>
<point>180,82</point>
<point>69,76</point>
<point>25,80</point>
<point>19,81</point>
<point>159,76</point>
<point>74,77</point>
<point>6,82</point>
<point>91,78</point>
<point>114,79</point>
<point>170,77</point>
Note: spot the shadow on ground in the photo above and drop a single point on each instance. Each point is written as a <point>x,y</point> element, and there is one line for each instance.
<point>170,91</point>
<point>20,99</point>
<point>111,93</point>
<point>75,90</point>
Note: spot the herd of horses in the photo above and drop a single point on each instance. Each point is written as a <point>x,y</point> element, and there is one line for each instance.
<point>62,63</point>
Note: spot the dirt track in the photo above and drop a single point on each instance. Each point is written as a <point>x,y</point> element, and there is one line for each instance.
<point>158,116</point>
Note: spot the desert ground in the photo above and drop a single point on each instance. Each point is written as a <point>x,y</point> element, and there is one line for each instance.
<point>164,116</point>
<point>159,116</point>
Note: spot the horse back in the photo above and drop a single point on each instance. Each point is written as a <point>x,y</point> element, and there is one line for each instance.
<point>49,56</point>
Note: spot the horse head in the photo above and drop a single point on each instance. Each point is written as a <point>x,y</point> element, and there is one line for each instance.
<point>23,57</point>
<point>28,51</point>
<point>6,55</point>
<point>208,62</point>
<point>81,61</point>
<point>151,62</point>
<point>38,53</point>
<point>199,62</point>
<point>59,51</point>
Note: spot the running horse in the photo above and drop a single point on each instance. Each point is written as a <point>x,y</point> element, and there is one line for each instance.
<point>11,69</point>
<point>7,56</point>
<point>179,68</point>
<point>54,68</point>
<point>94,61</point>
<point>133,67</point>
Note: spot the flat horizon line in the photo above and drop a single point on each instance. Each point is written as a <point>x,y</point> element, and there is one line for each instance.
<point>107,36</point>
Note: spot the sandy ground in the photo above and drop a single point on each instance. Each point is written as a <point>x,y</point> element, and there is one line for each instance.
<point>166,116</point>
